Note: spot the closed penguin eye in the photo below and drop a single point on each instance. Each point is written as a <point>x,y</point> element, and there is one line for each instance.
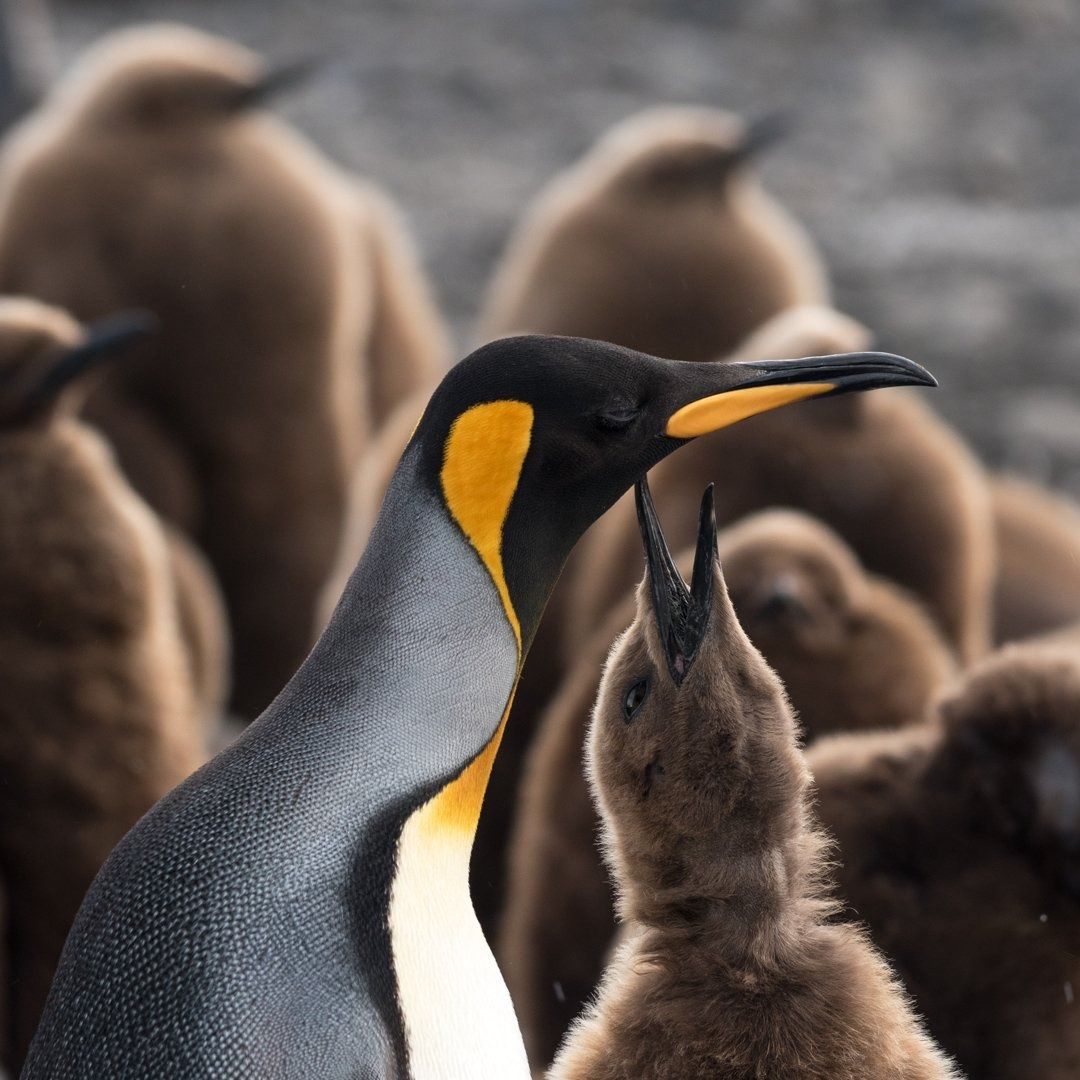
<point>618,415</point>
<point>635,698</point>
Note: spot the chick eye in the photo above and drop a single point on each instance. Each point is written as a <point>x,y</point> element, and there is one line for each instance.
<point>618,416</point>
<point>635,698</point>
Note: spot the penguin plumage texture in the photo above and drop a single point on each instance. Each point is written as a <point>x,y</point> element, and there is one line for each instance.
<point>300,906</point>
<point>291,308</point>
<point>660,239</point>
<point>884,472</point>
<point>100,715</point>
<point>731,964</point>
<point>1038,554</point>
<point>852,650</point>
<point>958,846</point>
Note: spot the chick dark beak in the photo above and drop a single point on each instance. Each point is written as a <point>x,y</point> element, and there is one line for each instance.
<point>761,385</point>
<point>105,339</point>
<point>276,81</point>
<point>682,614</point>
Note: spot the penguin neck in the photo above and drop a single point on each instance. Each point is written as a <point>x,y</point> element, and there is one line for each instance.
<point>424,611</point>
<point>420,655</point>
<point>747,904</point>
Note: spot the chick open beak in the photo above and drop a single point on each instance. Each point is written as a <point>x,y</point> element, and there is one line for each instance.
<point>763,385</point>
<point>682,614</point>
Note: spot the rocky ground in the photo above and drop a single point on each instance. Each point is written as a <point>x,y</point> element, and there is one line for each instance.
<point>935,160</point>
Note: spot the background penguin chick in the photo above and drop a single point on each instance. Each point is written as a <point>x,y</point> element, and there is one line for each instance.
<point>119,192</point>
<point>853,651</point>
<point>408,346</point>
<point>959,846</point>
<point>98,715</point>
<point>659,239</point>
<point>882,470</point>
<point>203,623</point>
<point>732,967</point>
<point>1038,542</point>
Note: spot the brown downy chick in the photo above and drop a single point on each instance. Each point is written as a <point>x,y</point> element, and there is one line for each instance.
<point>882,470</point>
<point>660,239</point>
<point>959,846</point>
<point>203,623</point>
<point>852,650</point>
<point>98,714</point>
<point>1038,542</point>
<point>289,309</point>
<point>732,966</point>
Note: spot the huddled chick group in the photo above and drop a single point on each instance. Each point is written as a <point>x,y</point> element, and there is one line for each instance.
<point>824,831</point>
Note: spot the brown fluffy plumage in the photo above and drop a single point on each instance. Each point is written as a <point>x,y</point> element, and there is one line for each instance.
<point>660,239</point>
<point>959,846</point>
<point>882,470</point>
<point>99,716</point>
<point>853,651</point>
<point>279,282</point>
<point>1038,542</point>
<point>732,967</point>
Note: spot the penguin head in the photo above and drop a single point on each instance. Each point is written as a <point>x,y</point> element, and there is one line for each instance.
<point>692,748</point>
<point>530,439</point>
<point>1011,753</point>
<point>851,649</point>
<point>684,151</point>
<point>161,77</point>
<point>45,356</point>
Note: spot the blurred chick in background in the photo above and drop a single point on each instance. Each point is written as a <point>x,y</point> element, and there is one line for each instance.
<point>660,239</point>
<point>293,313</point>
<point>959,846</point>
<point>101,712</point>
<point>1038,542</point>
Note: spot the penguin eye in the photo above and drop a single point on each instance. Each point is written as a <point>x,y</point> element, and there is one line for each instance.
<point>635,698</point>
<point>618,415</point>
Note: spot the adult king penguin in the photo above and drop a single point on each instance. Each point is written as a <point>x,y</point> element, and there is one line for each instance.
<point>300,906</point>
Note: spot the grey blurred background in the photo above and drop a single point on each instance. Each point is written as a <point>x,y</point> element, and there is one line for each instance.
<point>935,157</point>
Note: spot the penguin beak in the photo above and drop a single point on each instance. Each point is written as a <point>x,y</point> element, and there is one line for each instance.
<point>762,385</point>
<point>760,135</point>
<point>274,82</point>
<point>105,339</point>
<point>682,614</point>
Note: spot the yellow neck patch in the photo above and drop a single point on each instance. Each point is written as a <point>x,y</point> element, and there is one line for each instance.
<point>482,464</point>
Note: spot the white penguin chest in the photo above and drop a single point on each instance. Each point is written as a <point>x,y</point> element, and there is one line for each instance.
<point>459,1021</point>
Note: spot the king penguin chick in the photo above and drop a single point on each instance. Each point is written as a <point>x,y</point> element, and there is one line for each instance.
<point>321,860</point>
<point>660,239</point>
<point>99,716</point>
<point>959,845</point>
<point>731,966</point>
<point>151,178</point>
<point>852,650</point>
<point>1038,542</point>
<point>884,472</point>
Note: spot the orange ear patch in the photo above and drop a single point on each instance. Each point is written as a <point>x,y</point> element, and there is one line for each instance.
<point>482,464</point>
